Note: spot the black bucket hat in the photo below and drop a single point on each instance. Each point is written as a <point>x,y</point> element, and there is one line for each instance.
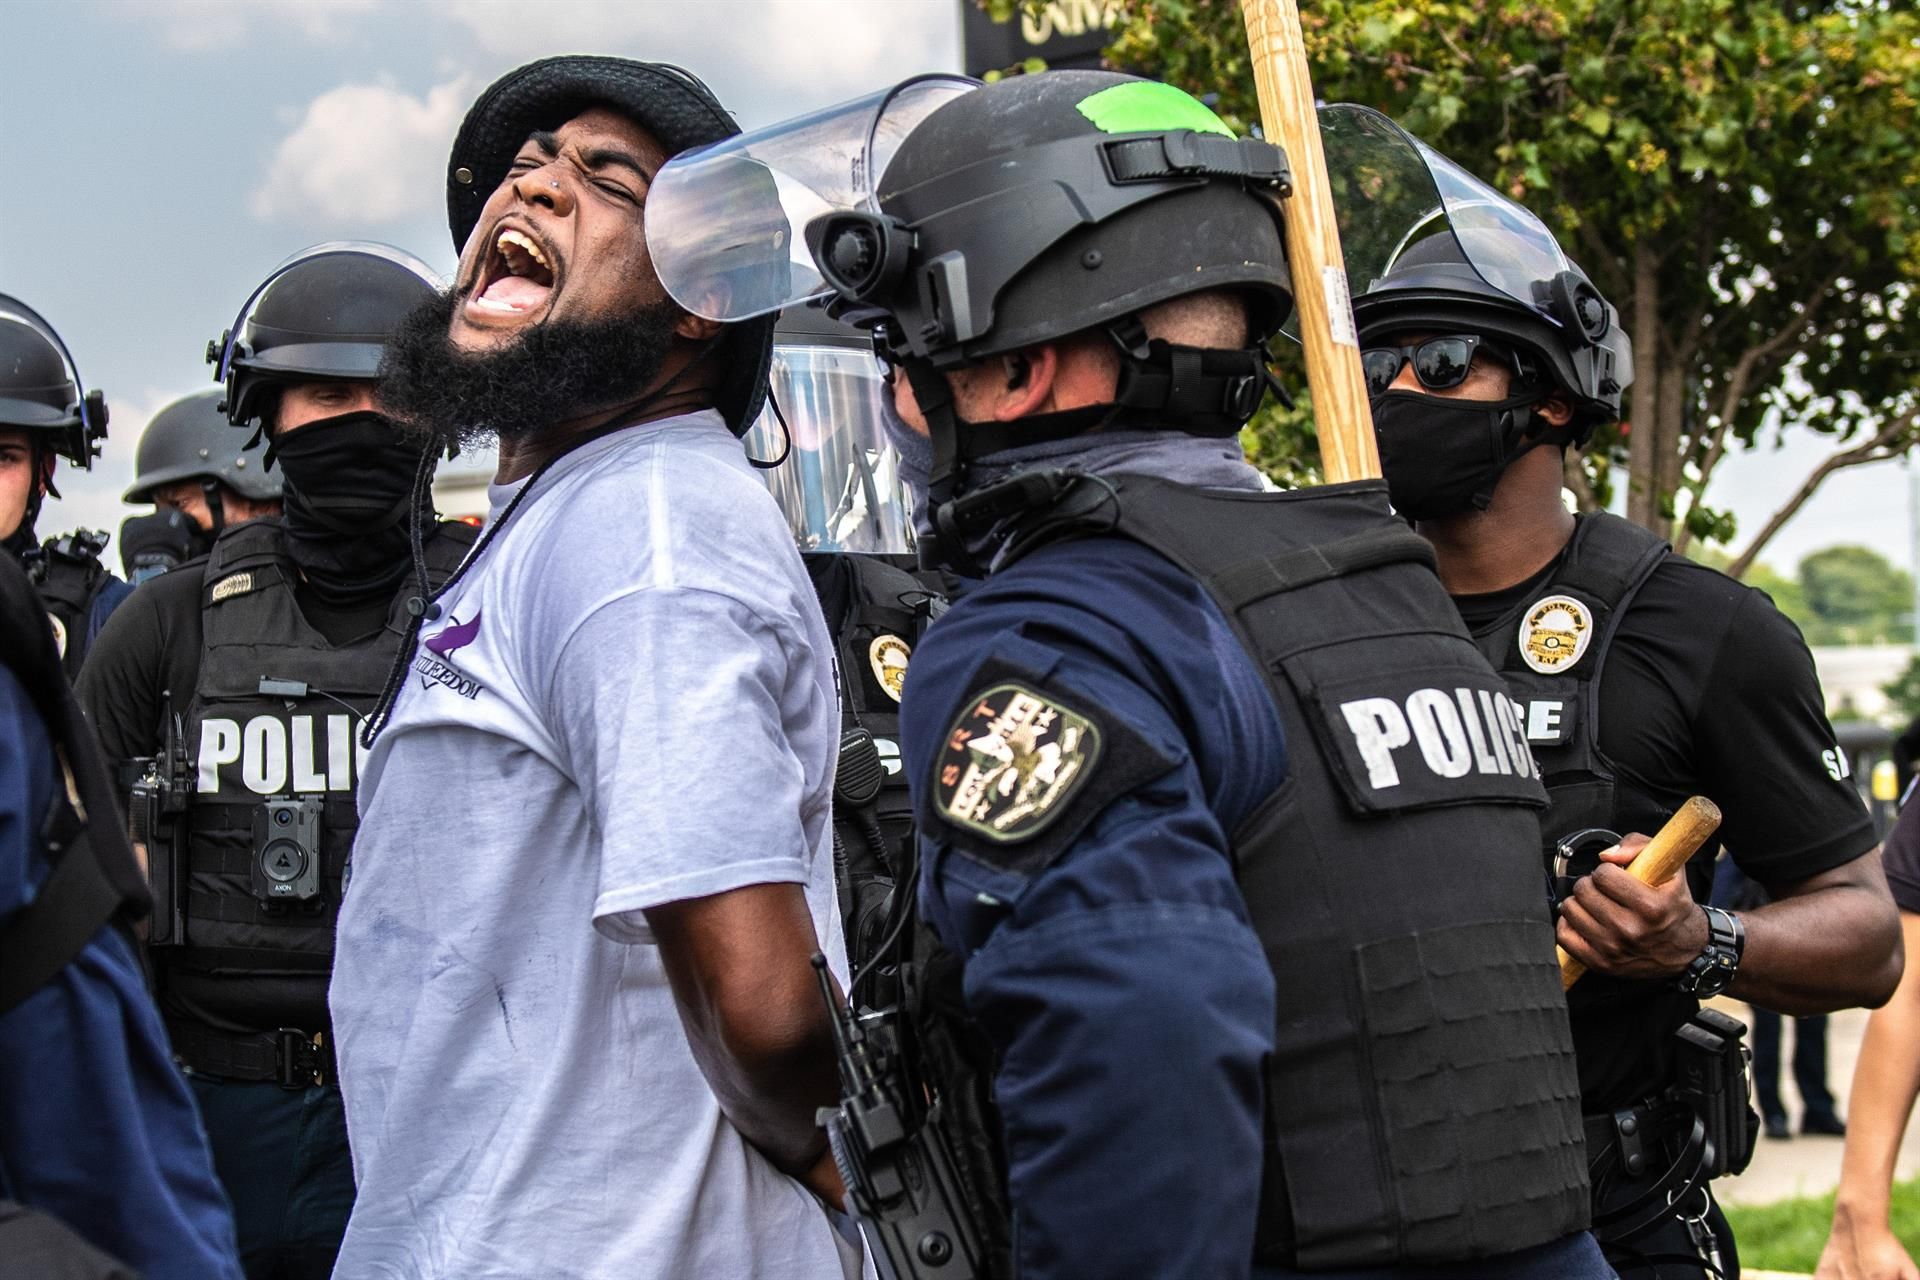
<point>668,102</point>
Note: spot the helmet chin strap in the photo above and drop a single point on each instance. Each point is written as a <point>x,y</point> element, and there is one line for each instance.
<point>1161,386</point>
<point>41,460</point>
<point>216,506</point>
<point>947,546</point>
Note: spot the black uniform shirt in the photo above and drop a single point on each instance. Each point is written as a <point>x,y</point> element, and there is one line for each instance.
<point>143,669</point>
<point>1902,858</point>
<point>1707,690</point>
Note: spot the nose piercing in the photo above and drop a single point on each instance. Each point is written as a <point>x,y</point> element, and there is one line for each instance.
<point>553,184</point>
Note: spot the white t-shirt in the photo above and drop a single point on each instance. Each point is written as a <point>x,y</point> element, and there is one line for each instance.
<point>627,700</point>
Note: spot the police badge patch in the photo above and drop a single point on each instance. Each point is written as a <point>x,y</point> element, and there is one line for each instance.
<point>888,655</point>
<point>1554,634</point>
<point>1011,762</point>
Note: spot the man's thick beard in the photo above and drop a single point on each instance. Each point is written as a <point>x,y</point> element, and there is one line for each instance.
<point>551,373</point>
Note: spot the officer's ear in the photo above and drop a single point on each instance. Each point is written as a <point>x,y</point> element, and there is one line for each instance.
<point>1022,382</point>
<point>1556,409</point>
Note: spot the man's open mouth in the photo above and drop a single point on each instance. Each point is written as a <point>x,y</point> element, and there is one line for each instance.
<point>517,276</point>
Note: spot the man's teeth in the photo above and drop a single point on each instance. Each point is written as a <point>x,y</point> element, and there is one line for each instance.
<point>522,242</point>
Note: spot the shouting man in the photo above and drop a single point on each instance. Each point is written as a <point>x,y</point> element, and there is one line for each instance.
<point>578,1029</point>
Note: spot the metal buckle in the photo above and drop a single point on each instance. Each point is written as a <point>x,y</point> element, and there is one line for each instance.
<point>1700,1232</point>
<point>297,1058</point>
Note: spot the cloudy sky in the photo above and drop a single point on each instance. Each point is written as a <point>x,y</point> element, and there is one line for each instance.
<point>166,154</point>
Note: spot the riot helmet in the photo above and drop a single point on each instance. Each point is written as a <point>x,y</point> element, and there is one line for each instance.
<point>838,479</point>
<point>1439,251</point>
<point>980,219</point>
<point>41,391</point>
<point>191,439</point>
<point>965,222</point>
<point>325,314</point>
<point>668,102</point>
<point>1433,288</point>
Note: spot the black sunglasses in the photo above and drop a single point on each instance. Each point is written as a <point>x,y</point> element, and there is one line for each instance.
<point>1439,363</point>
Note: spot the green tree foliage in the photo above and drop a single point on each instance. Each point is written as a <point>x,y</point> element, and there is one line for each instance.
<point>1785,592</point>
<point>1839,595</point>
<point>1903,697</point>
<point>1856,597</point>
<point>1740,177</point>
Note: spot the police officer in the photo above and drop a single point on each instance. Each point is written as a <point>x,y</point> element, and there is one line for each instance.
<point>104,1169</point>
<point>836,475</point>
<point>1232,927</point>
<point>1643,678</point>
<point>47,414</point>
<point>246,673</point>
<point>201,476</point>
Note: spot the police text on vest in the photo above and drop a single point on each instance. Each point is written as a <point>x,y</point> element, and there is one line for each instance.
<point>1454,733</point>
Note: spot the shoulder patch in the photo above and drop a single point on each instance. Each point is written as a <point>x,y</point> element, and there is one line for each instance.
<point>1011,761</point>
<point>234,584</point>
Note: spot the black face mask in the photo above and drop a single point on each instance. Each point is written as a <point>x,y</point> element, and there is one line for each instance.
<point>1443,456</point>
<point>152,544</point>
<point>349,485</point>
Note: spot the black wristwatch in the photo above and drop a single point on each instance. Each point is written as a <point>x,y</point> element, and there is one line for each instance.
<point>1711,972</point>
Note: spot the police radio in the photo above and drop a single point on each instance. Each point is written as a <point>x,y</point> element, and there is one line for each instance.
<point>903,1183</point>
<point>286,852</point>
<point>157,803</point>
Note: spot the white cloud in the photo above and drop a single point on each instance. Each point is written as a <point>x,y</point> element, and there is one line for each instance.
<point>221,24</point>
<point>767,59</point>
<point>364,153</point>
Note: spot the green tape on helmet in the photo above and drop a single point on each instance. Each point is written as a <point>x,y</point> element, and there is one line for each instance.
<point>1146,106</point>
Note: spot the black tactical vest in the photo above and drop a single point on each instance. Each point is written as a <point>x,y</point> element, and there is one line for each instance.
<point>69,576</point>
<point>1604,567</point>
<point>296,738</point>
<point>1422,1106</point>
<point>876,611</point>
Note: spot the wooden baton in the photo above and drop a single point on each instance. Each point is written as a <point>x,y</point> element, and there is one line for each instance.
<point>1341,412</point>
<point>1660,861</point>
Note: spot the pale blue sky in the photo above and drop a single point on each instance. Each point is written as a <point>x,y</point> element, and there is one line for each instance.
<point>165,154</point>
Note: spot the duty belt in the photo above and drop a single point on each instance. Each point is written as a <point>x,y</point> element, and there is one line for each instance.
<point>291,1058</point>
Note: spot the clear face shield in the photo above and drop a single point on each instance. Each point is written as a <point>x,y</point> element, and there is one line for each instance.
<point>840,485</point>
<point>726,224</point>
<point>1392,191</point>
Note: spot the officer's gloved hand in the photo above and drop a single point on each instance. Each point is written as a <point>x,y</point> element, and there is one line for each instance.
<point>1616,925</point>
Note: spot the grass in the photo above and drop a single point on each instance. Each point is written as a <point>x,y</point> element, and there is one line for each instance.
<point>1789,1234</point>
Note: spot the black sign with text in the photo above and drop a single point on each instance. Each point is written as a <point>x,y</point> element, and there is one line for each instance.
<point>1065,33</point>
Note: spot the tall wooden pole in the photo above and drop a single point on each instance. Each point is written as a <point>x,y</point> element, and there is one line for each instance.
<point>1287,117</point>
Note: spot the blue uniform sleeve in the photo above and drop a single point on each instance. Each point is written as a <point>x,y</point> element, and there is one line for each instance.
<point>26,789</point>
<point>97,1126</point>
<point>1110,958</point>
<point>111,597</point>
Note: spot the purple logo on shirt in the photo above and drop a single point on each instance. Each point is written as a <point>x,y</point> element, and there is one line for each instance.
<point>439,669</point>
<point>458,635</point>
